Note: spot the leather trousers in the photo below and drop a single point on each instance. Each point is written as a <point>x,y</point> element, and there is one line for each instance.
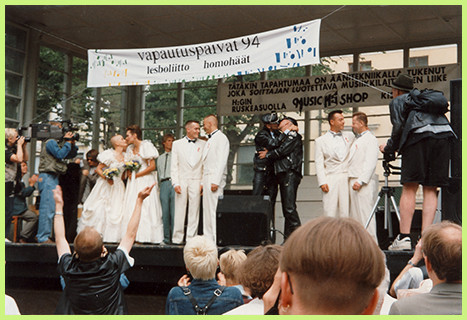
<point>288,183</point>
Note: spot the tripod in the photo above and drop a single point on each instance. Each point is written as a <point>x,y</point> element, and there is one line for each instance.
<point>388,193</point>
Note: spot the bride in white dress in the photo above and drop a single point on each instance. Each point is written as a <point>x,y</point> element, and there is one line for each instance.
<point>103,209</point>
<point>150,227</point>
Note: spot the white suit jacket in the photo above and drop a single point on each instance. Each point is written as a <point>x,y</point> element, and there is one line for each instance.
<point>363,157</point>
<point>186,164</point>
<point>327,157</point>
<point>215,155</point>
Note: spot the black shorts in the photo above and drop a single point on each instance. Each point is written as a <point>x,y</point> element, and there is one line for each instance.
<point>427,162</point>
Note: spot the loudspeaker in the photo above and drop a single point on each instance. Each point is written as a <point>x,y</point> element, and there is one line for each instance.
<point>243,220</point>
<point>456,124</point>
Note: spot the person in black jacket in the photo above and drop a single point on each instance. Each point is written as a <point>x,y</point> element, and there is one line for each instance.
<point>287,160</point>
<point>421,134</point>
<point>264,180</point>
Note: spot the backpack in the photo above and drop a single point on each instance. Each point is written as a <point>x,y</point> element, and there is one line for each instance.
<point>427,100</point>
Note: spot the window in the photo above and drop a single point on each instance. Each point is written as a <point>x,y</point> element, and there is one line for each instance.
<point>418,61</point>
<point>363,66</point>
<point>15,57</point>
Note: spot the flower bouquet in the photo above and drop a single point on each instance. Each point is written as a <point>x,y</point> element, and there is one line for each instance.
<point>132,165</point>
<point>109,173</point>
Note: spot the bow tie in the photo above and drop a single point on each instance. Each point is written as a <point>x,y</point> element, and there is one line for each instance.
<point>336,134</point>
<point>189,140</point>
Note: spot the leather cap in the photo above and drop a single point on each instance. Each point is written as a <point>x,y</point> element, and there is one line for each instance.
<point>270,118</point>
<point>403,82</point>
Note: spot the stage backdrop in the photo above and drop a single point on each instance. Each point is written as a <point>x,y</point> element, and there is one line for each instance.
<point>287,47</point>
<point>360,89</point>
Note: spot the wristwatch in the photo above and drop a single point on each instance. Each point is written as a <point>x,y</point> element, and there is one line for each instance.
<point>411,263</point>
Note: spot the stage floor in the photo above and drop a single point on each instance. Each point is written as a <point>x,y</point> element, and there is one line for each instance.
<point>157,267</point>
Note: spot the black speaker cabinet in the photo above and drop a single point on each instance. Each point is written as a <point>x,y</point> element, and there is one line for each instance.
<point>243,220</point>
<point>451,201</point>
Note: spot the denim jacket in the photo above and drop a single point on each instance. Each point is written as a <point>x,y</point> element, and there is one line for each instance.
<point>202,291</point>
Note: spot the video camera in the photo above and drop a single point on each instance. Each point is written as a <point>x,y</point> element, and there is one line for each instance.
<point>44,131</point>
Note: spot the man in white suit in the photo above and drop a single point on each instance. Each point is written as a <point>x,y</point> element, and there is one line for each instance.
<point>362,164</point>
<point>331,160</point>
<point>186,172</point>
<point>215,155</point>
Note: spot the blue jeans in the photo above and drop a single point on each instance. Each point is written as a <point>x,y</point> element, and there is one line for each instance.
<point>167,196</point>
<point>47,182</point>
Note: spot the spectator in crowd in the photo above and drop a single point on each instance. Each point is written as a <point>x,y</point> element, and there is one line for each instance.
<point>70,184</point>
<point>186,173</point>
<point>15,153</point>
<point>363,157</point>
<point>166,190</point>
<point>203,295</point>
<point>89,175</point>
<point>421,133</point>
<point>91,274</point>
<point>442,251</point>
<point>330,266</point>
<point>215,156</point>
<point>229,263</point>
<point>331,151</point>
<point>51,166</point>
<point>256,274</point>
<point>21,207</point>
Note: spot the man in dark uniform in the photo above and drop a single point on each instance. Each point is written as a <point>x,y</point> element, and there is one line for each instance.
<point>265,181</point>
<point>287,160</point>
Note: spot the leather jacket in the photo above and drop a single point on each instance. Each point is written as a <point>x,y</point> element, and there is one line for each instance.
<point>264,140</point>
<point>289,155</point>
<point>405,118</point>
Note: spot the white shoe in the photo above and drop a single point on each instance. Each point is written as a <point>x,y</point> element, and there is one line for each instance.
<point>404,244</point>
<point>7,240</point>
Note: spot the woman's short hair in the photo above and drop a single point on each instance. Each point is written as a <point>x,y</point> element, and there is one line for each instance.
<point>336,265</point>
<point>134,128</point>
<point>200,255</point>
<point>257,271</point>
<point>88,244</point>
<point>230,261</point>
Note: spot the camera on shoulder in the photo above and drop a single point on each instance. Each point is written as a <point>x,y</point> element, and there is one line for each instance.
<point>45,131</point>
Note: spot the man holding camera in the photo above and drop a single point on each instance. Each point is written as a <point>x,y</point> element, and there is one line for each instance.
<point>421,134</point>
<point>51,166</point>
<point>15,153</point>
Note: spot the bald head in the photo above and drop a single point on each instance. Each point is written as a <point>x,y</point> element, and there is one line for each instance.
<point>117,141</point>
<point>442,246</point>
<point>210,123</point>
<point>88,244</point>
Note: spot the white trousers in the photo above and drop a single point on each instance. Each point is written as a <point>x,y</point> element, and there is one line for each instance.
<point>210,200</point>
<point>336,201</point>
<point>361,204</point>
<point>190,195</point>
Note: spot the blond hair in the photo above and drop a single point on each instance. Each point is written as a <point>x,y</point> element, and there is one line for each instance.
<point>200,256</point>
<point>230,261</point>
<point>335,263</point>
<point>10,132</point>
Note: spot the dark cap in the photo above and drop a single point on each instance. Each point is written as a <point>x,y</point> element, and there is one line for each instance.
<point>294,122</point>
<point>403,82</point>
<point>270,118</point>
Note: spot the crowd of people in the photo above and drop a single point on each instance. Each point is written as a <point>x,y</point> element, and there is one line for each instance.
<point>329,265</point>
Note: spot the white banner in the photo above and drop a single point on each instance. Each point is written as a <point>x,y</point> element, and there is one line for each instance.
<point>288,47</point>
<point>342,90</point>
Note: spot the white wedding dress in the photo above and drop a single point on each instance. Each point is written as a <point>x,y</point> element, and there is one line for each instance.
<point>103,209</point>
<point>150,228</point>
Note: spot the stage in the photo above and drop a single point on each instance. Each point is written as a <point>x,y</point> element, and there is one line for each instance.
<point>157,267</point>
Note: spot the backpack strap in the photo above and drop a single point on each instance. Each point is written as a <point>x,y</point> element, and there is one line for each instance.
<point>198,309</point>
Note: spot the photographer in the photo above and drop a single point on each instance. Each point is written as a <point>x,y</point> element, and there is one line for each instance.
<point>51,166</point>
<point>15,153</point>
<point>421,134</point>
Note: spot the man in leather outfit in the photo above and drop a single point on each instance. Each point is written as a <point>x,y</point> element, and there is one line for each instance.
<point>421,136</point>
<point>265,180</point>
<point>288,159</point>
